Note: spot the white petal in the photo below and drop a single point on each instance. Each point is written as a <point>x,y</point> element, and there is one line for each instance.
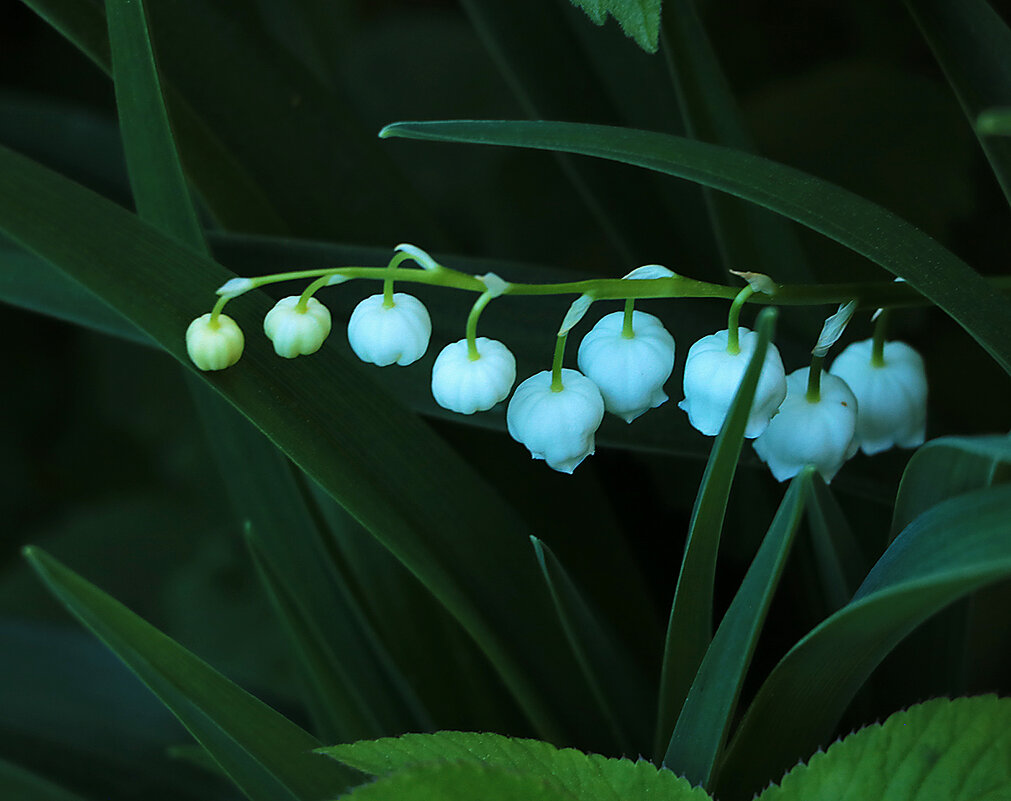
<point>384,336</point>
<point>466,386</point>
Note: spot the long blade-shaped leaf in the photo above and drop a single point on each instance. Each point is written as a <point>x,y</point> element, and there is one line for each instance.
<point>708,710</point>
<point>857,223</point>
<point>156,177</point>
<point>690,626</point>
<point>266,755</point>
<point>404,484</point>
<point>973,46</point>
<point>23,785</point>
<point>615,682</point>
<point>837,555</point>
<point>955,548</point>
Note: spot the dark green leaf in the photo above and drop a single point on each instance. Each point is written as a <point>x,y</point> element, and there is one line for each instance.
<point>837,555</point>
<point>856,223</point>
<point>956,547</point>
<point>973,46</point>
<point>22,785</point>
<point>619,689</point>
<point>945,749</point>
<point>588,777</point>
<point>639,19</point>
<point>452,782</point>
<point>705,718</point>
<point>267,756</point>
<point>156,177</point>
<point>690,626</point>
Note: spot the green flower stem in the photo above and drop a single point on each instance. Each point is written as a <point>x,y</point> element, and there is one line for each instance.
<point>475,313</point>
<point>217,309</point>
<point>556,364</point>
<point>303,301</point>
<point>871,295</point>
<point>733,342</point>
<point>814,380</point>
<point>878,346</point>
<point>626,330</point>
<point>388,281</point>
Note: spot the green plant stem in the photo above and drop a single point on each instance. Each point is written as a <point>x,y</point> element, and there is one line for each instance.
<point>626,329</point>
<point>878,346</point>
<point>733,342</point>
<point>472,318</point>
<point>391,268</point>
<point>556,364</point>
<point>814,380</point>
<point>217,309</point>
<point>303,301</point>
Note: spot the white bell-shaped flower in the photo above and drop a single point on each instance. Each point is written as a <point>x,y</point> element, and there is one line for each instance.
<point>214,344</point>
<point>712,376</point>
<point>892,397</point>
<point>465,386</point>
<point>821,433</point>
<point>382,335</point>
<point>296,332</point>
<point>630,372</point>
<point>556,426</point>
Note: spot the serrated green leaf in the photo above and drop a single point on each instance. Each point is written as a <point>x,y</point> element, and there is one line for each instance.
<point>639,19</point>
<point>453,782</point>
<point>617,685</point>
<point>267,756</point>
<point>690,626</point>
<point>944,750</point>
<point>973,46</point>
<point>705,718</point>
<point>23,785</point>
<point>944,468</point>
<point>859,224</point>
<point>955,548</point>
<point>588,777</point>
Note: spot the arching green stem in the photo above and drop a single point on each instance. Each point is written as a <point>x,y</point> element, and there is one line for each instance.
<point>303,301</point>
<point>878,346</point>
<point>733,342</point>
<point>388,282</point>
<point>814,380</point>
<point>556,365</point>
<point>475,313</point>
<point>626,330</point>
<point>217,309</point>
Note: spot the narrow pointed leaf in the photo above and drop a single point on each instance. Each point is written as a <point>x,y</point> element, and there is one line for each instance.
<point>23,785</point>
<point>690,626</point>
<point>156,176</point>
<point>329,417</point>
<point>266,755</point>
<point>617,686</point>
<point>705,718</point>
<point>859,224</point>
<point>956,547</point>
<point>837,555</point>
<point>973,46</point>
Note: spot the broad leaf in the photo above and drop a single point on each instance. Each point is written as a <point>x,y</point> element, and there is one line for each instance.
<point>944,750</point>
<point>690,626</point>
<point>267,756</point>
<point>640,19</point>
<point>587,777</point>
<point>859,224</point>
<point>708,710</point>
<point>956,547</point>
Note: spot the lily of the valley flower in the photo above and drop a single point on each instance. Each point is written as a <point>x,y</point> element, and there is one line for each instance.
<point>214,343</point>
<point>466,385</point>
<point>892,395</point>
<point>821,432</point>
<point>713,374</point>
<point>630,371</point>
<point>383,335</point>
<point>295,331</point>
<point>556,426</point>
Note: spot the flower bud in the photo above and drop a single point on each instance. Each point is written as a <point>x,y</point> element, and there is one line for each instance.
<point>821,433</point>
<point>556,426</point>
<point>295,332</point>
<point>466,386</point>
<point>214,344</point>
<point>712,376</point>
<point>382,336</point>
<point>892,397</point>
<point>630,372</point>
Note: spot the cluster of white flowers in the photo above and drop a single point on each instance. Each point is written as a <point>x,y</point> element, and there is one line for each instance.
<point>867,400</point>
